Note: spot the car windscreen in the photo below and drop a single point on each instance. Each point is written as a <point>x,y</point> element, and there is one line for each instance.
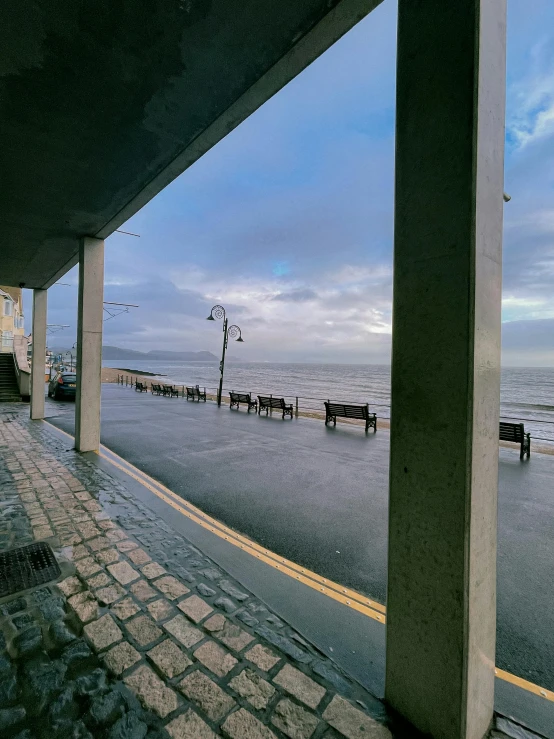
<point>69,378</point>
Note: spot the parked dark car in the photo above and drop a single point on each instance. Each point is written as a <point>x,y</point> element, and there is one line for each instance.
<point>62,385</point>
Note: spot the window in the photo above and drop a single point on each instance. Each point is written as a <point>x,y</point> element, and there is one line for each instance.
<point>8,307</point>
<point>7,338</point>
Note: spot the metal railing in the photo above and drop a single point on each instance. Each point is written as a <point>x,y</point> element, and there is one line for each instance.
<point>305,405</point>
<point>302,404</point>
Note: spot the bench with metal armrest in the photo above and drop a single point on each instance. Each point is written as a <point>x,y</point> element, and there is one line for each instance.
<point>347,410</point>
<point>266,402</point>
<point>194,393</point>
<point>516,432</point>
<point>237,398</point>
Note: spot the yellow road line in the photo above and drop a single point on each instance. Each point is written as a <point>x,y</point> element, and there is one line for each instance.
<point>282,568</point>
<point>349,595</point>
<point>337,592</point>
<point>312,580</point>
<point>302,574</point>
<point>525,684</point>
<point>61,431</point>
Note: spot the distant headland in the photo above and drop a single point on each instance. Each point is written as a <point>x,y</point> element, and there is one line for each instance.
<point>114,352</point>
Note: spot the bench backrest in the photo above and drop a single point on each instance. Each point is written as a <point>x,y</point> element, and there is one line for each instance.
<point>271,402</point>
<point>156,387</point>
<point>241,397</point>
<point>347,411</point>
<point>512,432</point>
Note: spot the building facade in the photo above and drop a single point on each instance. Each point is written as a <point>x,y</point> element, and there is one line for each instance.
<point>11,316</point>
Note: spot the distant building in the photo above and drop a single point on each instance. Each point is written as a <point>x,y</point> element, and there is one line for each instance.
<point>11,316</point>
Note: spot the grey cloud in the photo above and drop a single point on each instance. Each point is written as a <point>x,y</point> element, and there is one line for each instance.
<point>528,343</point>
<point>528,335</point>
<point>528,262</point>
<point>299,295</point>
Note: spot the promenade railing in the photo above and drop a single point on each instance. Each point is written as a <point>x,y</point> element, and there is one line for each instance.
<point>302,403</point>
<point>306,405</point>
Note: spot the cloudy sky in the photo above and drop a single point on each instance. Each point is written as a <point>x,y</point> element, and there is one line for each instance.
<point>288,221</point>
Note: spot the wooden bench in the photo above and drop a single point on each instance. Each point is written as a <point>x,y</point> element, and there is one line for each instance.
<point>238,398</point>
<point>170,391</point>
<point>266,402</point>
<point>345,410</point>
<point>157,389</point>
<point>141,387</point>
<point>194,393</point>
<point>516,432</point>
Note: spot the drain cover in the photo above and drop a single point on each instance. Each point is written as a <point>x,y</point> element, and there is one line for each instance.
<point>26,567</point>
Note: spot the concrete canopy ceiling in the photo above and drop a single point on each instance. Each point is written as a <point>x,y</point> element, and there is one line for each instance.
<point>104,103</point>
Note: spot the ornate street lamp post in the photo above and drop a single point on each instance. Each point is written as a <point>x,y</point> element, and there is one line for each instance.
<point>218,311</point>
<point>70,359</point>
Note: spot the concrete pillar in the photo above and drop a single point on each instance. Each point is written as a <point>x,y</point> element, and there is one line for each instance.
<point>38,361</point>
<point>89,344</point>
<point>441,606</point>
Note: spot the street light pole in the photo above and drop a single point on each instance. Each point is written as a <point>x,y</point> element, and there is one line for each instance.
<point>222,363</point>
<point>218,311</point>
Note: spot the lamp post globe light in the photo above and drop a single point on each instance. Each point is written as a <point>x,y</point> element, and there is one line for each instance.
<point>217,313</point>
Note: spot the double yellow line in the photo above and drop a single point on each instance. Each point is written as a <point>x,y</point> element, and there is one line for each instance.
<point>333,590</point>
<point>346,596</point>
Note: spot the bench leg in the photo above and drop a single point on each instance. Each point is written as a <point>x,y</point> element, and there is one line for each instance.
<point>525,447</point>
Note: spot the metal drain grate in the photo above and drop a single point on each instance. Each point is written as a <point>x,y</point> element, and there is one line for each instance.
<point>26,567</point>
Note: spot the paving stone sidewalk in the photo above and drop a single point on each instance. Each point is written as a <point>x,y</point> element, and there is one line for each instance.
<point>147,637</point>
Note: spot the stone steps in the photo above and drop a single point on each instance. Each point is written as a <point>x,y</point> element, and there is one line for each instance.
<point>9,390</point>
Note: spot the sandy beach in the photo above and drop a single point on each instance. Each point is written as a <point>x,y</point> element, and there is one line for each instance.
<point>111,374</point>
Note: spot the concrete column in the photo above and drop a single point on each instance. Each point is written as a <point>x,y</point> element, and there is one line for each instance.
<point>89,344</point>
<point>38,361</point>
<point>441,610</point>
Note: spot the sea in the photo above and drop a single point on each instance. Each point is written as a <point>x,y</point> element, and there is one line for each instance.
<point>526,394</point>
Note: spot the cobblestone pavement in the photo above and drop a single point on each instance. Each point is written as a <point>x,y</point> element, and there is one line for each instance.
<point>146,637</point>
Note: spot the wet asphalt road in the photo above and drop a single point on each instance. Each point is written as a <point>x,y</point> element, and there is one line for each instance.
<point>319,497</point>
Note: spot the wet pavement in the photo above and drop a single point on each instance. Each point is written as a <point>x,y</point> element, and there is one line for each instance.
<point>318,496</point>
<point>145,637</point>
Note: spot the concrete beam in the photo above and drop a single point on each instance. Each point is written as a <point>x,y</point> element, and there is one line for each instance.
<point>341,17</point>
<point>89,344</point>
<point>441,609</point>
<point>38,361</point>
